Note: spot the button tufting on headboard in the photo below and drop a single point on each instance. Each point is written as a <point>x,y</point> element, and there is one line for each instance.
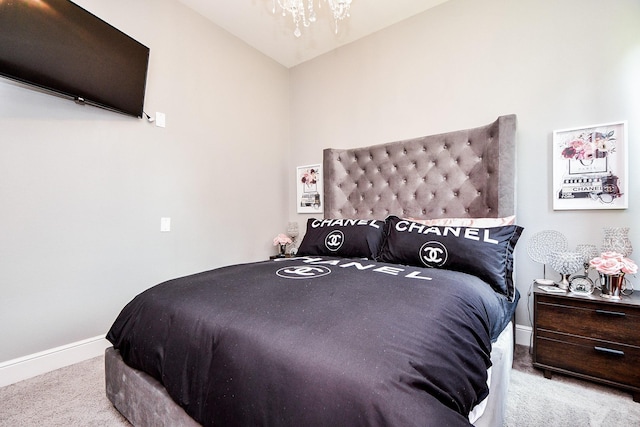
<point>466,173</point>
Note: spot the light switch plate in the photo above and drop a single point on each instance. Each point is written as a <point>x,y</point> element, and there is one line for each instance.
<point>165,224</point>
<point>161,119</point>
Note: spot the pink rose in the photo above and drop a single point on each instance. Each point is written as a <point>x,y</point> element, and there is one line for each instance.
<point>613,263</point>
<point>596,262</point>
<point>281,239</point>
<point>611,255</point>
<point>577,144</point>
<point>589,150</point>
<point>628,266</point>
<point>610,266</point>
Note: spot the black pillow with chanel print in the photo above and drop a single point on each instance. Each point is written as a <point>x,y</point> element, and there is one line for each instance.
<point>349,238</point>
<point>484,252</point>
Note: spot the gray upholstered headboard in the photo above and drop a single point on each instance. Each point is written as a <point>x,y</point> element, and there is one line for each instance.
<point>467,173</point>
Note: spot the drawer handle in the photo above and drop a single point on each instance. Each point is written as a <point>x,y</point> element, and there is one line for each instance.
<point>609,351</point>
<point>611,313</point>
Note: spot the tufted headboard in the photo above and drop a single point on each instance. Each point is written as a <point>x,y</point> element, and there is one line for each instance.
<point>466,173</point>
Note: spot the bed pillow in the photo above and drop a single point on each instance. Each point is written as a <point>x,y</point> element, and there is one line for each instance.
<point>484,252</point>
<point>468,222</point>
<point>349,238</point>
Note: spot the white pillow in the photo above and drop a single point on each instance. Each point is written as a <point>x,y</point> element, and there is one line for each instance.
<point>467,222</point>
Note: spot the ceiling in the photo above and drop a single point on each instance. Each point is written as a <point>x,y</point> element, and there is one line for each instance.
<point>254,22</point>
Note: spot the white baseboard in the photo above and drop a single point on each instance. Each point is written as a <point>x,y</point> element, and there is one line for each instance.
<point>523,335</point>
<point>31,365</point>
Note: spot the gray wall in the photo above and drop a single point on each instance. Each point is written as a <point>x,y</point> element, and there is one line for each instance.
<point>556,64</point>
<point>82,190</point>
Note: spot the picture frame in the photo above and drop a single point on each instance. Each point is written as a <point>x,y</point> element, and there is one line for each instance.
<point>590,167</point>
<point>309,189</point>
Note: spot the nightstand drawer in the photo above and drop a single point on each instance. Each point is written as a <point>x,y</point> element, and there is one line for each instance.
<point>595,358</point>
<point>609,322</point>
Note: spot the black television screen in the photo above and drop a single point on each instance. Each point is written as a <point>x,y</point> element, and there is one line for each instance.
<point>59,46</point>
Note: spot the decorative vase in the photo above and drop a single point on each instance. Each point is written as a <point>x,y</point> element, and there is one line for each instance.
<point>616,239</point>
<point>611,285</point>
<point>292,230</point>
<point>283,249</point>
<point>565,263</point>
<point>588,252</point>
<point>581,284</point>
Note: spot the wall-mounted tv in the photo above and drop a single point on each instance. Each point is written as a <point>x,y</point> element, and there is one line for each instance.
<point>59,46</point>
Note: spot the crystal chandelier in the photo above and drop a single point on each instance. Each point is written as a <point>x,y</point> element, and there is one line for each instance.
<point>306,14</point>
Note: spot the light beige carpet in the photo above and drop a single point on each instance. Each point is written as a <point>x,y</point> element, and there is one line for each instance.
<point>75,396</point>
<point>71,396</point>
<point>564,401</point>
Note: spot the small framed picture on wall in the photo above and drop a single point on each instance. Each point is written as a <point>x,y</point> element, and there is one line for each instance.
<point>590,167</point>
<point>309,194</point>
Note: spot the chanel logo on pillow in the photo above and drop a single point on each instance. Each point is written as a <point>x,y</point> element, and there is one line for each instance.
<point>334,240</point>
<point>433,254</point>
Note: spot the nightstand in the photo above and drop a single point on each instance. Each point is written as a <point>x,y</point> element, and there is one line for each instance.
<point>589,337</point>
<point>277,256</point>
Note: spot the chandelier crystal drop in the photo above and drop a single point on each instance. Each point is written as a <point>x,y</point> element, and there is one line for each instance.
<point>306,15</point>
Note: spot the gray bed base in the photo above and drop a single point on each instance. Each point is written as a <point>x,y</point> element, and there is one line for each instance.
<point>467,173</point>
<point>140,397</point>
<point>143,401</point>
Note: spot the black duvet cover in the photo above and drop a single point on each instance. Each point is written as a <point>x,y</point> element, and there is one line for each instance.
<point>317,341</point>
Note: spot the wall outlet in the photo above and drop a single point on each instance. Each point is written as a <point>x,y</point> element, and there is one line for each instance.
<point>165,224</point>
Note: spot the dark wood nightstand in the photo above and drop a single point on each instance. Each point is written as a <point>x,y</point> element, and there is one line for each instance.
<point>278,256</point>
<point>589,337</point>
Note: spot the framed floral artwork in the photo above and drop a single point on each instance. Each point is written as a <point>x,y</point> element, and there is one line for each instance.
<point>309,194</point>
<point>590,167</point>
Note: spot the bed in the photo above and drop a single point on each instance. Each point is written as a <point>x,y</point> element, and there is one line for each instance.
<point>396,311</point>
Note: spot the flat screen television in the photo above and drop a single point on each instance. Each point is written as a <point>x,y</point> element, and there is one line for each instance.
<point>59,46</point>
